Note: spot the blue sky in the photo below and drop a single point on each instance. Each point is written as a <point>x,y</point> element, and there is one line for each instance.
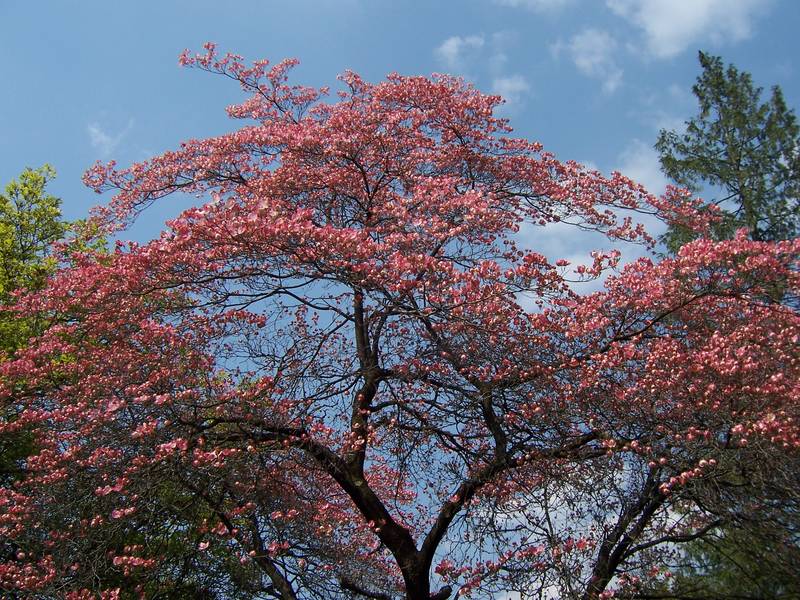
<point>593,80</point>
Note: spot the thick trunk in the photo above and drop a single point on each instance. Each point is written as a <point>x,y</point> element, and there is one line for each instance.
<point>418,586</point>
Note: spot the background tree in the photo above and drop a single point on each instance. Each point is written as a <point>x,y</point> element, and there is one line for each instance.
<point>748,152</point>
<point>30,221</point>
<point>330,363</point>
<point>741,150</point>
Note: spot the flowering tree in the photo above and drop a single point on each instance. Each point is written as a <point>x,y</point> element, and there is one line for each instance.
<point>348,374</point>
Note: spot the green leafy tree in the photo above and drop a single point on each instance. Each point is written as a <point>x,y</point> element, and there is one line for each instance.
<point>745,150</point>
<point>754,552</point>
<point>30,221</point>
<point>728,564</point>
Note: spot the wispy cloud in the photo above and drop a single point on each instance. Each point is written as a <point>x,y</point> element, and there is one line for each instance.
<point>456,52</point>
<point>639,161</point>
<point>513,89</point>
<point>500,42</point>
<point>539,6</point>
<point>671,26</point>
<point>484,58</point>
<point>592,51</point>
<point>104,141</point>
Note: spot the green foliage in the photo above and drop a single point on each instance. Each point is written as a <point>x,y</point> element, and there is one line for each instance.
<point>30,221</point>
<point>738,562</point>
<point>747,150</point>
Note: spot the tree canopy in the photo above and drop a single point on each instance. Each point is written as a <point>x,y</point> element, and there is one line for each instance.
<point>746,150</point>
<point>352,372</point>
<point>30,221</point>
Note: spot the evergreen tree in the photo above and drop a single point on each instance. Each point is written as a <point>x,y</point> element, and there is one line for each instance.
<point>748,153</point>
<point>745,150</point>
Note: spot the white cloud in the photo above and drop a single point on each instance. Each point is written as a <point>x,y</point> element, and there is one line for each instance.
<point>512,88</point>
<point>671,26</point>
<point>664,108</point>
<point>678,98</point>
<point>540,6</point>
<point>103,141</point>
<point>484,58</point>
<point>639,161</point>
<point>500,41</point>
<point>454,51</point>
<point>592,51</point>
<point>662,119</point>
